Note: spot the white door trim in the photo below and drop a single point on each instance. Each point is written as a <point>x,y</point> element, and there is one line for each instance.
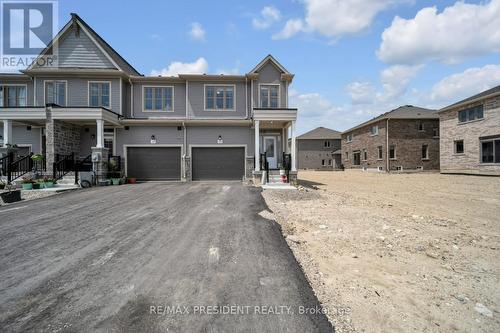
<point>273,161</point>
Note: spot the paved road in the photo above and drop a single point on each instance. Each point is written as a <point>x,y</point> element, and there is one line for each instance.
<point>108,259</point>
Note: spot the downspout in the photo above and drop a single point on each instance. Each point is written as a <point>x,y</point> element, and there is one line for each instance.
<point>184,130</point>
<point>387,145</point>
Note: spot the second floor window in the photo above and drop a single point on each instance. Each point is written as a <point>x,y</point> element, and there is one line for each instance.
<point>348,138</point>
<point>269,96</point>
<point>326,144</point>
<point>99,94</point>
<point>12,95</point>
<point>471,114</point>
<point>55,92</point>
<point>374,130</point>
<point>219,98</point>
<point>158,99</point>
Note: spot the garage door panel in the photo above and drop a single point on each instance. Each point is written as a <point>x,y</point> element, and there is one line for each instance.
<point>218,163</point>
<point>154,163</point>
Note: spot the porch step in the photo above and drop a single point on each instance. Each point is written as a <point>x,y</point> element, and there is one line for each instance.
<point>278,186</point>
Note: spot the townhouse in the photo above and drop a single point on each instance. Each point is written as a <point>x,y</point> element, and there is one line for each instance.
<point>319,149</point>
<point>470,135</point>
<point>406,138</point>
<point>94,104</point>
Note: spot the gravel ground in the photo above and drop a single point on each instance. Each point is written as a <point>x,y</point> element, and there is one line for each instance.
<point>400,252</point>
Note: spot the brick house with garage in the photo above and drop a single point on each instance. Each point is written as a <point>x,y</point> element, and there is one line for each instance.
<point>319,149</point>
<point>93,104</point>
<point>403,139</point>
<point>470,135</point>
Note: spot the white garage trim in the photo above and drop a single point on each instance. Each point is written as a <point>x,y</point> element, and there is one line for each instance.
<point>149,146</point>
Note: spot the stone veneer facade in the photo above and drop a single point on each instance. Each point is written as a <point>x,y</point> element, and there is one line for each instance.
<point>404,134</point>
<point>471,133</point>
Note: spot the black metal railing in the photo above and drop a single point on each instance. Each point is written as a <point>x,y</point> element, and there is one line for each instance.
<point>264,165</point>
<point>63,165</point>
<point>19,167</point>
<point>4,164</point>
<point>287,165</point>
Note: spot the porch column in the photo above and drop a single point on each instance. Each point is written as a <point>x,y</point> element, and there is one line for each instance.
<point>100,133</point>
<point>7,132</point>
<point>294,150</point>
<point>257,145</point>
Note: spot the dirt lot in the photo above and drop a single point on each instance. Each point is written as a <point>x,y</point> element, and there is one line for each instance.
<point>401,252</point>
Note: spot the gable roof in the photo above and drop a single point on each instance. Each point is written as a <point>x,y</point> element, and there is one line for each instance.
<point>269,58</point>
<point>319,134</point>
<point>482,95</point>
<point>114,57</point>
<point>403,112</point>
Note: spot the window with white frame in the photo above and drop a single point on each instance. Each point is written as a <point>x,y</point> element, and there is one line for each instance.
<point>99,94</point>
<point>365,155</point>
<point>374,130</point>
<point>392,152</point>
<point>425,152</point>
<point>219,98</point>
<point>380,152</point>
<point>435,132</point>
<point>55,92</point>
<point>349,138</point>
<point>323,162</point>
<point>12,95</point>
<point>326,144</point>
<point>459,146</point>
<point>158,99</point>
<point>330,162</point>
<point>470,114</point>
<point>421,127</point>
<point>269,96</point>
<point>490,150</point>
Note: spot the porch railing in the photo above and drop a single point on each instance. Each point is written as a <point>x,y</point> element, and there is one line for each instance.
<point>4,164</point>
<point>287,165</point>
<point>264,165</point>
<point>63,165</point>
<point>19,167</point>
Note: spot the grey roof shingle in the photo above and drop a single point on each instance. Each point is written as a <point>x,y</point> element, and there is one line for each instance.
<point>320,133</point>
<point>485,93</point>
<point>403,112</point>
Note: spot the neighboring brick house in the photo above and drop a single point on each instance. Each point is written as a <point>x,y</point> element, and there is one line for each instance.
<point>470,135</point>
<point>406,138</point>
<point>319,149</point>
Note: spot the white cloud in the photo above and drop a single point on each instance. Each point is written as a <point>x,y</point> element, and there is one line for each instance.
<point>335,18</point>
<point>270,15</point>
<point>198,67</point>
<point>361,92</point>
<point>395,80</point>
<point>229,71</point>
<point>197,32</point>
<point>459,32</point>
<point>468,83</point>
<point>291,28</point>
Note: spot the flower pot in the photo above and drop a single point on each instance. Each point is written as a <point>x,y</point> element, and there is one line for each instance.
<point>282,172</point>
<point>131,180</point>
<point>12,196</point>
<point>115,181</point>
<point>28,186</point>
<point>48,184</point>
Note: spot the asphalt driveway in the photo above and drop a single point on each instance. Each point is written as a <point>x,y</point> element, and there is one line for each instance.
<point>151,258</point>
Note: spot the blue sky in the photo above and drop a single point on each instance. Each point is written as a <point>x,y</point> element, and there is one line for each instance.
<point>429,57</point>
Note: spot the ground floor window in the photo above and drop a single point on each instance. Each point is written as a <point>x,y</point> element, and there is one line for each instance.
<point>356,158</point>
<point>392,151</point>
<point>109,135</point>
<point>380,152</point>
<point>323,162</point>
<point>459,146</point>
<point>490,151</point>
<point>425,152</point>
<point>365,155</point>
<point>329,162</point>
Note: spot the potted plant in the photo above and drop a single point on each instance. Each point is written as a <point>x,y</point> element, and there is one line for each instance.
<point>114,173</point>
<point>48,182</point>
<point>10,196</point>
<point>27,183</point>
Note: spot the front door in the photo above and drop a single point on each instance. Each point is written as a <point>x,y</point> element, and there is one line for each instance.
<point>270,149</point>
